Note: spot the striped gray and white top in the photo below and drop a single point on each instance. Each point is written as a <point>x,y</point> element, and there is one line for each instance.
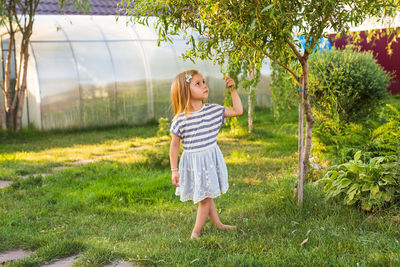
<point>200,129</point>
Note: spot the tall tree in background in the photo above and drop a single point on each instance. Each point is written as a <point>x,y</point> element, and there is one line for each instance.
<point>17,17</point>
<point>262,28</point>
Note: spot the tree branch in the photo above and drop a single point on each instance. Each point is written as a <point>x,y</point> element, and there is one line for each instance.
<point>293,47</point>
<point>315,41</point>
<point>14,10</point>
<point>252,44</point>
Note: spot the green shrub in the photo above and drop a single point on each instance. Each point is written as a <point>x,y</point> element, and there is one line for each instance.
<point>339,142</point>
<point>349,88</point>
<point>385,139</point>
<point>163,127</point>
<point>349,85</point>
<point>371,185</point>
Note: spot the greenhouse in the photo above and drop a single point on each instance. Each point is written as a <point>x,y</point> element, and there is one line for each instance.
<point>87,70</point>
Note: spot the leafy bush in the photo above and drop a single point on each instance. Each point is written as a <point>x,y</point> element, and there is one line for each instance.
<point>371,185</point>
<point>339,142</point>
<point>163,126</point>
<point>385,139</point>
<point>348,84</point>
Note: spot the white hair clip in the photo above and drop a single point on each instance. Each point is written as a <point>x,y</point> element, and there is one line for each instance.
<point>188,77</point>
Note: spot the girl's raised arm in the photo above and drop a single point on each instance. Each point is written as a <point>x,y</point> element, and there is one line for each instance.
<point>237,109</point>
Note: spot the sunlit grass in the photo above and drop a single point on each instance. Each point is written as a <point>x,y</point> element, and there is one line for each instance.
<point>122,205</point>
<point>39,155</point>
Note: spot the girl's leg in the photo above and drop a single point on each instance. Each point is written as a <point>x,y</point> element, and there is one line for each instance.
<point>214,215</point>
<point>202,214</point>
<point>215,219</point>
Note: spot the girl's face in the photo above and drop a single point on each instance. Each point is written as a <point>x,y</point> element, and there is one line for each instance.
<point>198,88</point>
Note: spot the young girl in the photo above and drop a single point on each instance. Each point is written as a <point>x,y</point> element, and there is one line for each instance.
<point>202,173</point>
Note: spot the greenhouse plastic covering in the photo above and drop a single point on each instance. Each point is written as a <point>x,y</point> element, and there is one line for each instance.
<point>94,71</point>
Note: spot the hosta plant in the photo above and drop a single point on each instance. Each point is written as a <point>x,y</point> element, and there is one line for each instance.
<point>370,185</point>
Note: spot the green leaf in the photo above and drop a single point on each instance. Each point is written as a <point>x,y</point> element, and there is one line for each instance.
<point>376,161</point>
<point>352,202</point>
<point>335,193</point>
<point>353,187</point>
<point>389,179</point>
<point>366,205</point>
<point>377,197</point>
<point>267,7</point>
<point>193,41</point>
<point>357,156</point>
<point>374,190</point>
<point>159,37</point>
<point>345,183</point>
<point>350,195</point>
<point>353,167</point>
<point>331,175</point>
<point>336,183</point>
<point>253,24</point>
<point>366,187</point>
<point>386,196</point>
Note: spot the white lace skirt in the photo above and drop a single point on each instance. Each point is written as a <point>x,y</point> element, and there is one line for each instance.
<point>202,175</point>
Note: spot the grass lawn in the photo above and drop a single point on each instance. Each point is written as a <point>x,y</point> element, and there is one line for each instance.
<point>122,205</point>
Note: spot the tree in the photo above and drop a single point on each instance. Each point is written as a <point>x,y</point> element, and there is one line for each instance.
<point>17,17</point>
<point>263,29</point>
<point>247,72</point>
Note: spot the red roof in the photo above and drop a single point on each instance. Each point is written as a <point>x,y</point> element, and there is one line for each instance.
<point>98,7</point>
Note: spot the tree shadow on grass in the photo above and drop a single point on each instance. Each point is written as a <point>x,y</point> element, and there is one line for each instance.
<point>261,169</point>
<point>39,141</point>
<point>93,198</point>
<point>106,183</point>
<point>14,169</point>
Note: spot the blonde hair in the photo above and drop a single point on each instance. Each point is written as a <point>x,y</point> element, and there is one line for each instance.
<point>180,92</point>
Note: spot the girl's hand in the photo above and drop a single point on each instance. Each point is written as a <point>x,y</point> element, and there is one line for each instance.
<point>230,83</point>
<point>175,178</point>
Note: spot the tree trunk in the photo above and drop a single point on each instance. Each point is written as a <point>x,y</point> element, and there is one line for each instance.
<point>309,122</point>
<point>7,74</point>
<point>18,84</point>
<point>10,117</point>
<point>3,119</point>
<point>21,100</point>
<point>300,147</point>
<point>250,110</point>
<point>14,97</point>
<point>9,120</point>
<point>304,152</point>
<point>22,88</point>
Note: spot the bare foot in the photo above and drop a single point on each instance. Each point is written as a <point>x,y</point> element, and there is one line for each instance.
<point>194,235</point>
<point>226,227</point>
